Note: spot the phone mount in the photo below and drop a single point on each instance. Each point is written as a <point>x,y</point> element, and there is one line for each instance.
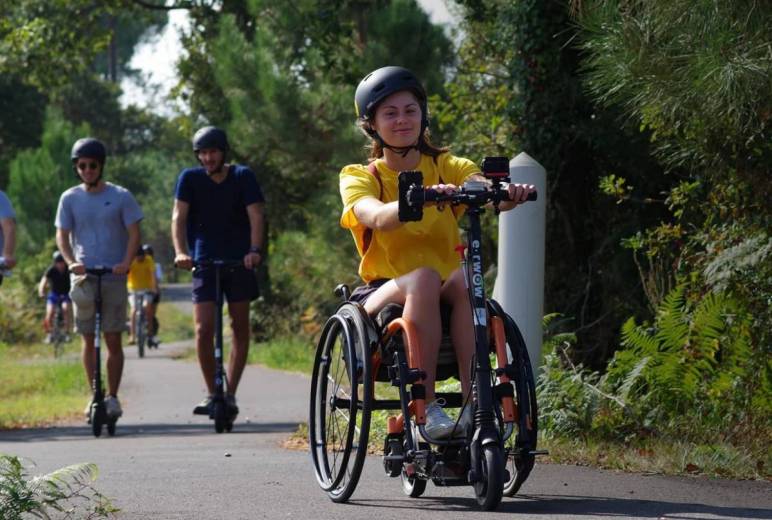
<point>411,189</point>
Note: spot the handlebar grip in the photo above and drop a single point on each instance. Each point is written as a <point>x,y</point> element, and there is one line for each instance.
<point>430,195</point>
<point>532,196</point>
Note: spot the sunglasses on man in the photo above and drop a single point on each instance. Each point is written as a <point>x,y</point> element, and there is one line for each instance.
<point>83,166</point>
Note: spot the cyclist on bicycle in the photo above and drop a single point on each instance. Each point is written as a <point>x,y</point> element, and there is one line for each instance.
<point>156,299</point>
<point>98,225</point>
<point>54,286</point>
<point>218,214</point>
<point>7,233</point>
<point>412,264</point>
<point>141,278</point>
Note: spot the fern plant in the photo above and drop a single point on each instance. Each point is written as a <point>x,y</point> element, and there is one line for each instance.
<point>689,373</point>
<point>67,491</point>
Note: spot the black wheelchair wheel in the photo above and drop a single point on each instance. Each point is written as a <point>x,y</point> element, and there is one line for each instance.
<point>220,417</point>
<point>489,489</point>
<point>341,401</point>
<point>413,486</point>
<point>522,443</point>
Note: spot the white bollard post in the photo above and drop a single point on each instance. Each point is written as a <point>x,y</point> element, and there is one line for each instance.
<point>519,286</point>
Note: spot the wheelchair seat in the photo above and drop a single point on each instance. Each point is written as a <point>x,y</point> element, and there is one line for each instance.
<point>447,366</point>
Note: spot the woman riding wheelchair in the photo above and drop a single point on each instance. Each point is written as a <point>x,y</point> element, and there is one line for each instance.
<point>413,264</point>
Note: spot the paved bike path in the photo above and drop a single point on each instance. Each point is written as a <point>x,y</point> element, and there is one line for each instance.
<point>168,464</point>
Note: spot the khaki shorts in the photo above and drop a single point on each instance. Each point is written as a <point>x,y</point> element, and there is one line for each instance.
<point>114,296</point>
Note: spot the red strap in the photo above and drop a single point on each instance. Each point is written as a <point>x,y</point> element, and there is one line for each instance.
<point>368,236</point>
<point>375,173</point>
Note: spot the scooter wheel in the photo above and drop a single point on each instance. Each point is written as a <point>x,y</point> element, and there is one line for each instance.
<point>97,419</point>
<point>111,426</point>
<point>489,489</point>
<point>220,418</point>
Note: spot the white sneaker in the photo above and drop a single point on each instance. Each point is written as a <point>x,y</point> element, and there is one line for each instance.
<point>438,424</point>
<point>87,411</point>
<point>113,406</point>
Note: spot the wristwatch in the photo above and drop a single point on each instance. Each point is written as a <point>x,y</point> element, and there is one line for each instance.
<point>256,249</point>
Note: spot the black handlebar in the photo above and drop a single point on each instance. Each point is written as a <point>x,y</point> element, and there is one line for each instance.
<point>217,262</point>
<point>413,195</point>
<point>470,197</point>
<point>99,271</point>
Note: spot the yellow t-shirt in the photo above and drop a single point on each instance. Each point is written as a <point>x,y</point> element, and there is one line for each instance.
<point>430,242</point>
<point>141,274</point>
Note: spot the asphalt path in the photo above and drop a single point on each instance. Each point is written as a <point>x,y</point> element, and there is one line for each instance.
<point>166,463</point>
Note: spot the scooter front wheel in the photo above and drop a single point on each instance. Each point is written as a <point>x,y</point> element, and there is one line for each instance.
<point>490,488</point>
<point>97,418</point>
<point>220,417</point>
<point>111,426</point>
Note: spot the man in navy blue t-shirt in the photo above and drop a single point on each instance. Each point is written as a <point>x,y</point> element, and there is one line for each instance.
<point>218,215</point>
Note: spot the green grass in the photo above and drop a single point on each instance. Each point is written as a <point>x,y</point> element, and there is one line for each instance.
<point>289,354</point>
<point>175,325</point>
<point>661,456</point>
<point>36,389</point>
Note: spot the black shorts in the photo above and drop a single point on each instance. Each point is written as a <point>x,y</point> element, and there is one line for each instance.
<point>363,292</point>
<point>239,284</point>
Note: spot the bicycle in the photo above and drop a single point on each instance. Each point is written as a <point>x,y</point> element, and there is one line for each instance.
<point>58,334</point>
<point>356,351</point>
<point>97,412</point>
<point>140,322</point>
<point>219,411</point>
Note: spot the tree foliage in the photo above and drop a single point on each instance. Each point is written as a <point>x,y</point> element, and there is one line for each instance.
<point>519,72</point>
<point>696,78</point>
<point>280,78</point>
<point>52,40</point>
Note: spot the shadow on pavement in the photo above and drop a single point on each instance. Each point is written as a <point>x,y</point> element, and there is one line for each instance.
<point>576,506</point>
<point>142,430</point>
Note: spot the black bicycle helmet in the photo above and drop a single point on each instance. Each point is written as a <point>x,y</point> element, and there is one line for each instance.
<point>383,82</point>
<point>89,147</point>
<point>57,257</point>
<point>210,137</point>
<point>148,249</point>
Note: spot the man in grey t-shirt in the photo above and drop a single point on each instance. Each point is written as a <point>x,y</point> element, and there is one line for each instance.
<point>7,233</point>
<point>98,225</point>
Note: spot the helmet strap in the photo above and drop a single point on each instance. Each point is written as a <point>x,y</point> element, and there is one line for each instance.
<point>402,150</point>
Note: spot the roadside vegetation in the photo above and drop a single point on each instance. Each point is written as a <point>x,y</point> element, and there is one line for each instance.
<point>37,389</point>
<point>65,493</point>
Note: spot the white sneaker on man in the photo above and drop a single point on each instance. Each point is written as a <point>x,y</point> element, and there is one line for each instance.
<point>438,424</point>
<point>113,406</point>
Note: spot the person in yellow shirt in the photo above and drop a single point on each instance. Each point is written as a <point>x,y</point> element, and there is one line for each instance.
<point>141,277</point>
<point>413,264</point>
